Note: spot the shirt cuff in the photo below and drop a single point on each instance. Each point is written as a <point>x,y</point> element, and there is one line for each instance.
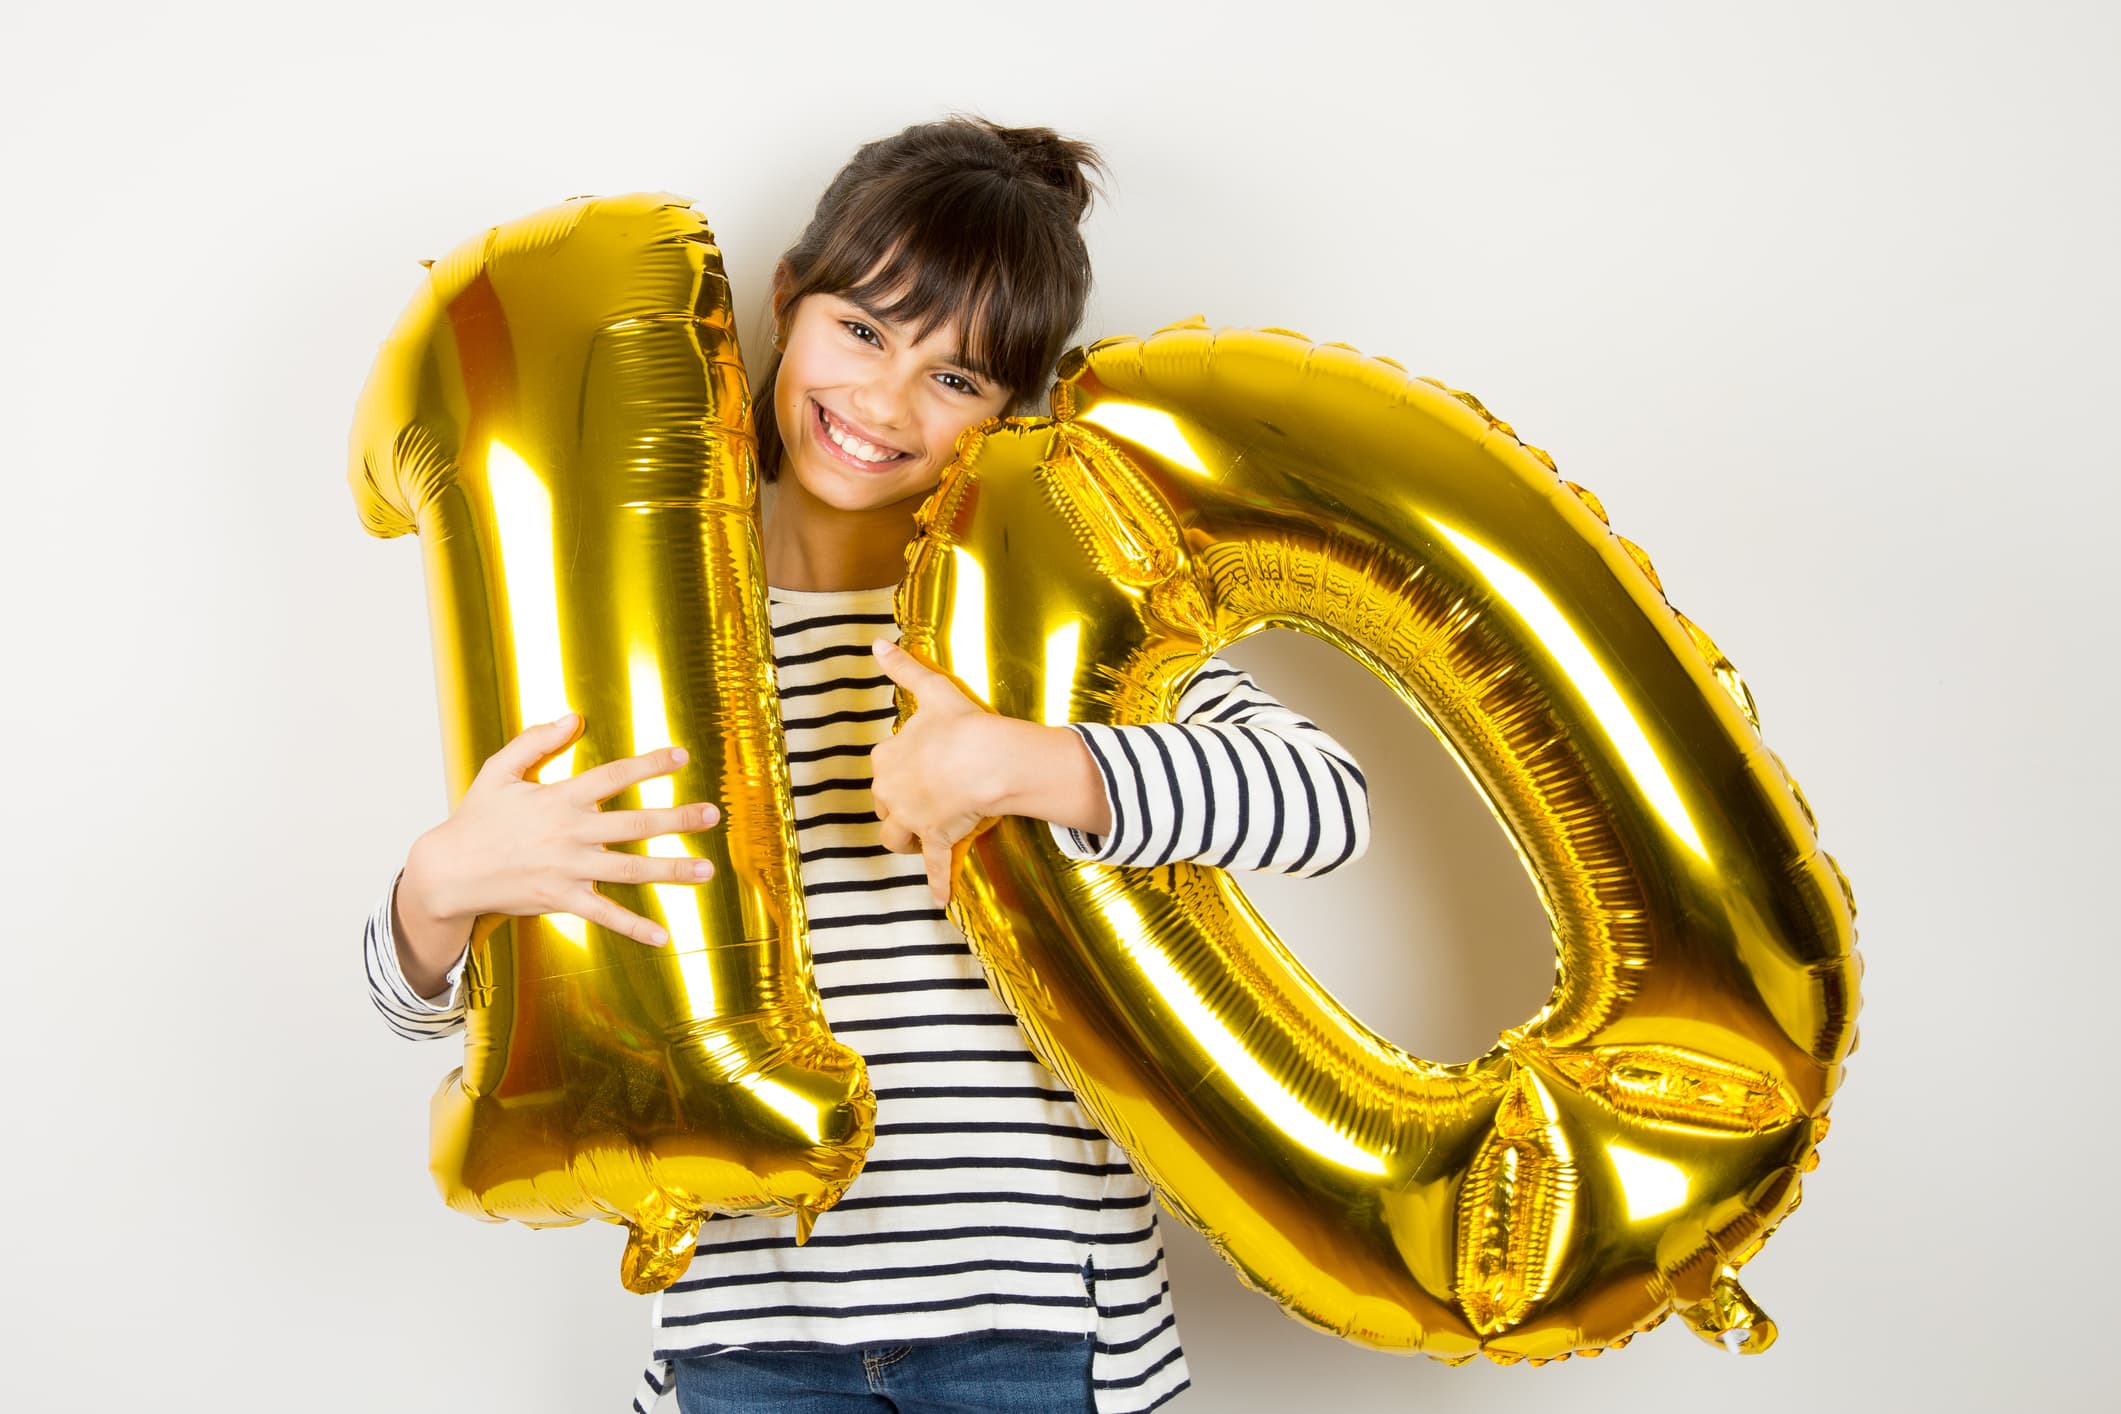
<point>393,976</point>
<point>1081,844</point>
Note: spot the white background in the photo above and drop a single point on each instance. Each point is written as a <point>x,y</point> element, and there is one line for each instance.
<point>1820,298</point>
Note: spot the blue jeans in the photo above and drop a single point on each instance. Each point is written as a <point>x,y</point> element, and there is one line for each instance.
<point>971,1374</point>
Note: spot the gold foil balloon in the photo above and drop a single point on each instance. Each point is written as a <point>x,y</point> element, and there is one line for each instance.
<point>1617,1156</point>
<point>562,417</point>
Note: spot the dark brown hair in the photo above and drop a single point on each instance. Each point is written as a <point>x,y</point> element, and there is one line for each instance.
<point>956,218</point>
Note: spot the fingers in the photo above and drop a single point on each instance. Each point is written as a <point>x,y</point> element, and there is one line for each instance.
<point>532,747</point>
<point>593,907</point>
<point>615,826</point>
<point>610,866</point>
<point>895,837</point>
<point>605,781</point>
<point>937,859</point>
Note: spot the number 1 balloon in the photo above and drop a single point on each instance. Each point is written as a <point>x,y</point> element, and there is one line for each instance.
<point>562,416</point>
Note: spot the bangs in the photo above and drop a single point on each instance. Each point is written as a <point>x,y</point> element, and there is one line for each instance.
<point>967,246</point>
<point>958,222</point>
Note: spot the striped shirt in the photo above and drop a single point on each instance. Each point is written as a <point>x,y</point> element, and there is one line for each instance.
<point>989,1202</point>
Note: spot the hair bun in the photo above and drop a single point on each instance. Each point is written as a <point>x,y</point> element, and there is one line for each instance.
<point>1061,163</point>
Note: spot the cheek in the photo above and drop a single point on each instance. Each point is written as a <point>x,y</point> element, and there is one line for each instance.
<point>809,364</point>
<point>800,375</point>
<point>950,422</point>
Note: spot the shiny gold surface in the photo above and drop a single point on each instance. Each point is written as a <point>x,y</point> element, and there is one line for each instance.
<point>562,417</point>
<point>1617,1156</point>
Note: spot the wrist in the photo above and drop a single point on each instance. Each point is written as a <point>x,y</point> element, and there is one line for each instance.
<point>426,903</point>
<point>1006,764</point>
<point>1049,774</point>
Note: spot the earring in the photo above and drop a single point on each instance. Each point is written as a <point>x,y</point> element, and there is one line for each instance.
<point>779,338</point>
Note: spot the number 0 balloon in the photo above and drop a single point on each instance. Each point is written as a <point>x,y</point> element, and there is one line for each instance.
<point>562,416</point>
<point>1611,1160</point>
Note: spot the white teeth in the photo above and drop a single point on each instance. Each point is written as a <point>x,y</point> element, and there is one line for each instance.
<point>847,442</point>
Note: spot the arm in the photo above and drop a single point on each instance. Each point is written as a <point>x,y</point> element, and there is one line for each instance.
<point>1238,782</point>
<point>406,1008</point>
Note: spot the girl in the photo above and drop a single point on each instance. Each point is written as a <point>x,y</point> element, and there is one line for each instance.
<point>996,1252</point>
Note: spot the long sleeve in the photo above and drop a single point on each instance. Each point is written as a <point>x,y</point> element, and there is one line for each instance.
<point>1238,781</point>
<point>409,1014</point>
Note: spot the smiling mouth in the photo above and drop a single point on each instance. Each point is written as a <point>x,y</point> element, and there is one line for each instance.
<point>851,448</point>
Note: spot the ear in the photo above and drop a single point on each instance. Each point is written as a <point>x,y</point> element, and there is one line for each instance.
<point>783,283</point>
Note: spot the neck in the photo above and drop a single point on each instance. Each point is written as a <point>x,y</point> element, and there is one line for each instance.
<point>814,546</point>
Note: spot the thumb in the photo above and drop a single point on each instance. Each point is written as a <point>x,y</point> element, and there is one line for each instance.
<point>930,687</point>
<point>534,746</point>
<point>908,670</point>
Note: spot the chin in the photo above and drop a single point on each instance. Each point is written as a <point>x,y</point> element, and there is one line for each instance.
<point>846,492</point>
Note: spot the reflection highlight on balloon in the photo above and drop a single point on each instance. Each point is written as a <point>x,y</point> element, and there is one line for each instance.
<point>1566,648</point>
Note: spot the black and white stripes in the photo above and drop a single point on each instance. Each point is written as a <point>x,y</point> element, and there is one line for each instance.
<point>1238,781</point>
<point>989,1202</point>
<point>407,1013</point>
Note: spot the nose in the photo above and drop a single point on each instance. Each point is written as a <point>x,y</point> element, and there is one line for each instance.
<point>883,402</point>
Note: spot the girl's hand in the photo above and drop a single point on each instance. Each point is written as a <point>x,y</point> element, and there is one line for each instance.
<point>941,774</point>
<point>516,847</point>
<point>955,764</point>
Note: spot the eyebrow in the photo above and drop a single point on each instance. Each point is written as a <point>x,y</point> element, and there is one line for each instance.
<point>957,356</point>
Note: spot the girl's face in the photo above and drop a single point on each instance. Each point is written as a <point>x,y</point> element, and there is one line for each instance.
<point>869,417</point>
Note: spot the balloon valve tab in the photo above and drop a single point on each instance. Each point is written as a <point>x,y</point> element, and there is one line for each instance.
<point>658,1249</point>
<point>1729,1319</point>
<point>805,1219</point>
